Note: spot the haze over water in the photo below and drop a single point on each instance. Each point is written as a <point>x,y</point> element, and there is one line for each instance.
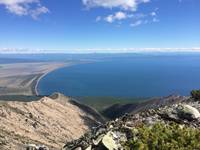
<point>131,76</point>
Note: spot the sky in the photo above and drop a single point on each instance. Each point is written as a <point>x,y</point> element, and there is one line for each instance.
<point>92,25</point>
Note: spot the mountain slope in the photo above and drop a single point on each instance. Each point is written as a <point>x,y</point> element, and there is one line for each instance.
<point>171,125</point>
<point>50,121</point>
<point>118,110</point>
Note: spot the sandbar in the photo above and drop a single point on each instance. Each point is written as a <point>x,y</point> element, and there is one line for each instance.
<point>23,78</point>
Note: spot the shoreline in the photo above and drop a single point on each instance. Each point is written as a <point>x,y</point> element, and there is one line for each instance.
<point>35,85</point>
<point>24,78</point>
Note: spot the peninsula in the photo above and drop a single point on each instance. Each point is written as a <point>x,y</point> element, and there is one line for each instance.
<point>23,78</point>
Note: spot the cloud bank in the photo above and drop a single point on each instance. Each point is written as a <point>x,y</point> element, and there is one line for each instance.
<point>32,8</point>
<point>99,50</point>
<point>130,5</point>
<point>123,10</point>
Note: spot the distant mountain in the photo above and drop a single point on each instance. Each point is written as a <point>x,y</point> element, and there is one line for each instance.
<point>15,60</point>
<point>50,121</point>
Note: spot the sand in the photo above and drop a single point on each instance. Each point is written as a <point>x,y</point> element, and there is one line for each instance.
<point>23,78</point>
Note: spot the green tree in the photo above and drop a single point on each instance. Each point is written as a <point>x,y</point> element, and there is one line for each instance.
<point>195,95</point>
<point>164,137</point>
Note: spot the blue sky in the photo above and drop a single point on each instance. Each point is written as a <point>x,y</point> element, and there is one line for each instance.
<point>99,24</point>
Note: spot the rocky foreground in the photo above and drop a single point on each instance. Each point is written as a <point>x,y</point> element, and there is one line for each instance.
<point>51,121</point>
<point>175,119</point>
<point>59,122</point>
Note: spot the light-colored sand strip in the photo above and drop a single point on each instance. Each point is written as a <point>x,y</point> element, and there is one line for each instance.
<point>23,78</point>
<point>42,76</point>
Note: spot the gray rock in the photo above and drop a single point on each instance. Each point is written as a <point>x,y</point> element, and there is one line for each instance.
<point>109,142</point>
<point>89,148</point>
<point>78,148</point>
<point>111,135</point>
<point>36,147</point>
<point>98,139</point>
<point>188,112</point>
<point>149,121</point>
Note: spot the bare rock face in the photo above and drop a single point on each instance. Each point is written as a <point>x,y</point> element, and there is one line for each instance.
<point>51,121</point>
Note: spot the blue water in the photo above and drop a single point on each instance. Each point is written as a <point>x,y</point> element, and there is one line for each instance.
<point>134,76</point>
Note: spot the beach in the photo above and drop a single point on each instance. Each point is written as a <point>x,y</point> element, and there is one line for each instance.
<point>23,78</point>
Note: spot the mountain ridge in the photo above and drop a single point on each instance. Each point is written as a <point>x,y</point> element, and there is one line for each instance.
<point>50,121</point>
<point>61,122</point>
<point>172,126</point>
<point>118,110</point>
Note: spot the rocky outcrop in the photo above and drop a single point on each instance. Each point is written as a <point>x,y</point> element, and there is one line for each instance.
<point>111,135</point>
<point>118,110</point>
<point>50,121</point>
<point>188,112</point>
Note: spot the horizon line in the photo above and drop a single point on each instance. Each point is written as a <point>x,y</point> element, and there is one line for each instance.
<point>97,50</point>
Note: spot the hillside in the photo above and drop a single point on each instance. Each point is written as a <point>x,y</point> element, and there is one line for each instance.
<point>119,109</point>
<point>50,121</point>
<point>175,124</point>
<point>60,122</point>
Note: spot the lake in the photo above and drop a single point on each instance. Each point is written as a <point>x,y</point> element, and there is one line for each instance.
<point>128,76</point>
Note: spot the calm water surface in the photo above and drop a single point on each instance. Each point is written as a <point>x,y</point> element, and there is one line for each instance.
<point>134,76</point>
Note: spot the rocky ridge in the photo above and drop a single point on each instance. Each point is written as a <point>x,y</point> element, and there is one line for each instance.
<point>185,113</point>
<point>118,110</point>
<point>50,121</point>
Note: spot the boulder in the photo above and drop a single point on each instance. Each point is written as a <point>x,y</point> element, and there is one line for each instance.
<point>89,148</point>
<point>187,112</point>
<point>109,142</point>
<point>113,139</point>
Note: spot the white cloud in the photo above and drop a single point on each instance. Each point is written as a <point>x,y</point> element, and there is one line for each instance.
<point>137,23</point>
<point>140,18</point>
<point>135,19</point>
<point>38,11</point>
<point>153,13</point>
<point>124,10</point>
<point>20,51</point>
<point>130,5</point>
<point>109,18</point>
<point>155,20</point>
<point>117,16</point>
<point>137,50</point>
<point>137,16</point>
<point>32,8</point>
<point>97,50</point>
<point>120,15</point>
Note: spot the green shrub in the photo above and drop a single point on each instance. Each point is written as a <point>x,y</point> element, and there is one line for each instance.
<point>164,137</point>
<point>196,95</point>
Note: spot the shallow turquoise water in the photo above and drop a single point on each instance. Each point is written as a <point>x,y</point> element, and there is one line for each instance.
<point>134,76</point>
